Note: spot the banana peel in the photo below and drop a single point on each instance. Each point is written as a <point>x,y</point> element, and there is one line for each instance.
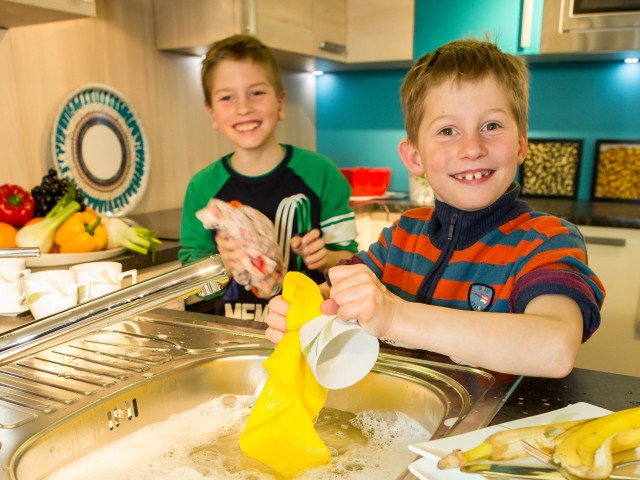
<point>507,444</point>
<point>586,450</point>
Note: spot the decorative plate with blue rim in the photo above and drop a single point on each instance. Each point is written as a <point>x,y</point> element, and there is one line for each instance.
<point>98,143</point>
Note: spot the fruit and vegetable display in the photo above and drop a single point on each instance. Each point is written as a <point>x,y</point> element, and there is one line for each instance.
<point>53,217</point>
<point>583,448</point>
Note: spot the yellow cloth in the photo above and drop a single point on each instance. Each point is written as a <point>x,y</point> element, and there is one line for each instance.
<point>280,431</point>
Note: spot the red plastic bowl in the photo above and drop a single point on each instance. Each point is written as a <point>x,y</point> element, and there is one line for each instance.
<point>367,182</point>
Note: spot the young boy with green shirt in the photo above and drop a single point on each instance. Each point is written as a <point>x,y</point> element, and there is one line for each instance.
<point>302,192</point>
<point>481,277</point>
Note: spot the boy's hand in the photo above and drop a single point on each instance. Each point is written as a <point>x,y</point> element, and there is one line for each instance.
<point>356,293</point>
<point>311,248</point>
<point>231,252</point>
<point>277,319</point>
<point>277,316</point>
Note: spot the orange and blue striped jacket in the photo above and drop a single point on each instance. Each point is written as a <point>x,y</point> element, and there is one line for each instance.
<point>495,259</point>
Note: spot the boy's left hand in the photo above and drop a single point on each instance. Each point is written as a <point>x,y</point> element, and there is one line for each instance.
<point>311,248</point>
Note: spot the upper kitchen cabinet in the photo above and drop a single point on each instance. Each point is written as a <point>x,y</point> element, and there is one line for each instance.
<point>341,31</point>
<point>514,25</point>
<point>190,26</point>
<point>305,27</point>
<point>19,13</point>
<point>380,30</point>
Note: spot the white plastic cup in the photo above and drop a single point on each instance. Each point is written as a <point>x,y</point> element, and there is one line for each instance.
<point>12,298</point>
<point>103,278</point>
<point>339,353</point>
<point>51,291</point>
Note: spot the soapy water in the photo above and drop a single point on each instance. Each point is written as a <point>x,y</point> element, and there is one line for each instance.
<point>202,444</point>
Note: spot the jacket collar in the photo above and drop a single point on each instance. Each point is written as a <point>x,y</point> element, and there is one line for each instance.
<point>469,227</point>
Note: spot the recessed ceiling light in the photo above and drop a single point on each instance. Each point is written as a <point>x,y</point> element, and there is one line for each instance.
<point>631,60</point>
<point>317,73</point>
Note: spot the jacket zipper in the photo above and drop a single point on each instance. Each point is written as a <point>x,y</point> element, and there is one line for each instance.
<point>425,293</point>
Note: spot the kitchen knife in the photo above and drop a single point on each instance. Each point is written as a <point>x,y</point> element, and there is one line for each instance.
<point>526,472</point>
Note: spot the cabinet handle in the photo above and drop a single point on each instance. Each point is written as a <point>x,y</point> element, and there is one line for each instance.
<point>249,16</point>
<point>527,23</point>
<point>333,47</point>
<point>612,242</point>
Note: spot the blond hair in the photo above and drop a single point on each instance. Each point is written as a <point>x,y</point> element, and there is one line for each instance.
<point>464,60</point>
<point>239,48</point>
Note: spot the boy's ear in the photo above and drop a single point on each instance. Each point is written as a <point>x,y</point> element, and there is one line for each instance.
<point>523,148</point>
<point>281,104</point>
<point>411,157</point>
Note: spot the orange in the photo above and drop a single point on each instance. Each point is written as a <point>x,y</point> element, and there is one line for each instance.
<point>7,235</point>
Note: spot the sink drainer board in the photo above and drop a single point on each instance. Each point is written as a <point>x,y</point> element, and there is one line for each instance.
<point>64,402</point>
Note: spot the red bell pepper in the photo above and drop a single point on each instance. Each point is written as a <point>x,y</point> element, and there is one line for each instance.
<point>17,206</point>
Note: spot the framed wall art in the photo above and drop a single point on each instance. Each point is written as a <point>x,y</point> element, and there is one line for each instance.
<point>617,170</point>
<point>551,168</point>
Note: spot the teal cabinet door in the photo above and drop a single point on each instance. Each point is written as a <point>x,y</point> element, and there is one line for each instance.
<point>514,24</point>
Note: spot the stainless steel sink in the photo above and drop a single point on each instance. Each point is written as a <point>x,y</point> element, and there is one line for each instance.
<point>70,399</point>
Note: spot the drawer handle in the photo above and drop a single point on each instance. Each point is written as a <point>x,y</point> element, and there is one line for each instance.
<point>612,242</point>
<point>333,47</point>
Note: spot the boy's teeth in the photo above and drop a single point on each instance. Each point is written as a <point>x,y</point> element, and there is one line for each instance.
<point>474,176</point>
<point>247,127</point>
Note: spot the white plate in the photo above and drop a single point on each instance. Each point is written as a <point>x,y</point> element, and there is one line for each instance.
<point>21,309</point>
<point>98,142</point>
<point>56,259</point>
<point>426,467</point>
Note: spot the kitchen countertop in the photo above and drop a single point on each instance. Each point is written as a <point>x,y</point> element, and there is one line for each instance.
<point>579,212</point>
<point>533,395</point>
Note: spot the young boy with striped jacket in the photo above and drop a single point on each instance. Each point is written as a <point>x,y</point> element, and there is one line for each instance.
<point>481,277</point>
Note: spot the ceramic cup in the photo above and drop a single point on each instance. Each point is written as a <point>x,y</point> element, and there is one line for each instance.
<point>12,298</point>
<point>339,353</point>
<point>103,278</point>
<point>51,291</point>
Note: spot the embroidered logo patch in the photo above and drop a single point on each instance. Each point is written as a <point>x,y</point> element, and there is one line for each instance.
<point>480,296</point>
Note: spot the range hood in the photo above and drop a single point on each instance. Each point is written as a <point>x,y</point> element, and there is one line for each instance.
<point>607,27</point>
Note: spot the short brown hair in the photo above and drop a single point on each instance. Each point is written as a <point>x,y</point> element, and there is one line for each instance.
<point>463,60</point>
<point>238,48</point>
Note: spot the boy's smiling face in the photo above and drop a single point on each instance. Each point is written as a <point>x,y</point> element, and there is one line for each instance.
<point>244,105</point>
<point>468,143</point>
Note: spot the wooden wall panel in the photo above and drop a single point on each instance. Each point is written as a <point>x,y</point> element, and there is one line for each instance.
<point>41,65</point>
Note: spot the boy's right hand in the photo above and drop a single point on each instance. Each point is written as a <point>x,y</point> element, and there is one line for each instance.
<point>276,319</point>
